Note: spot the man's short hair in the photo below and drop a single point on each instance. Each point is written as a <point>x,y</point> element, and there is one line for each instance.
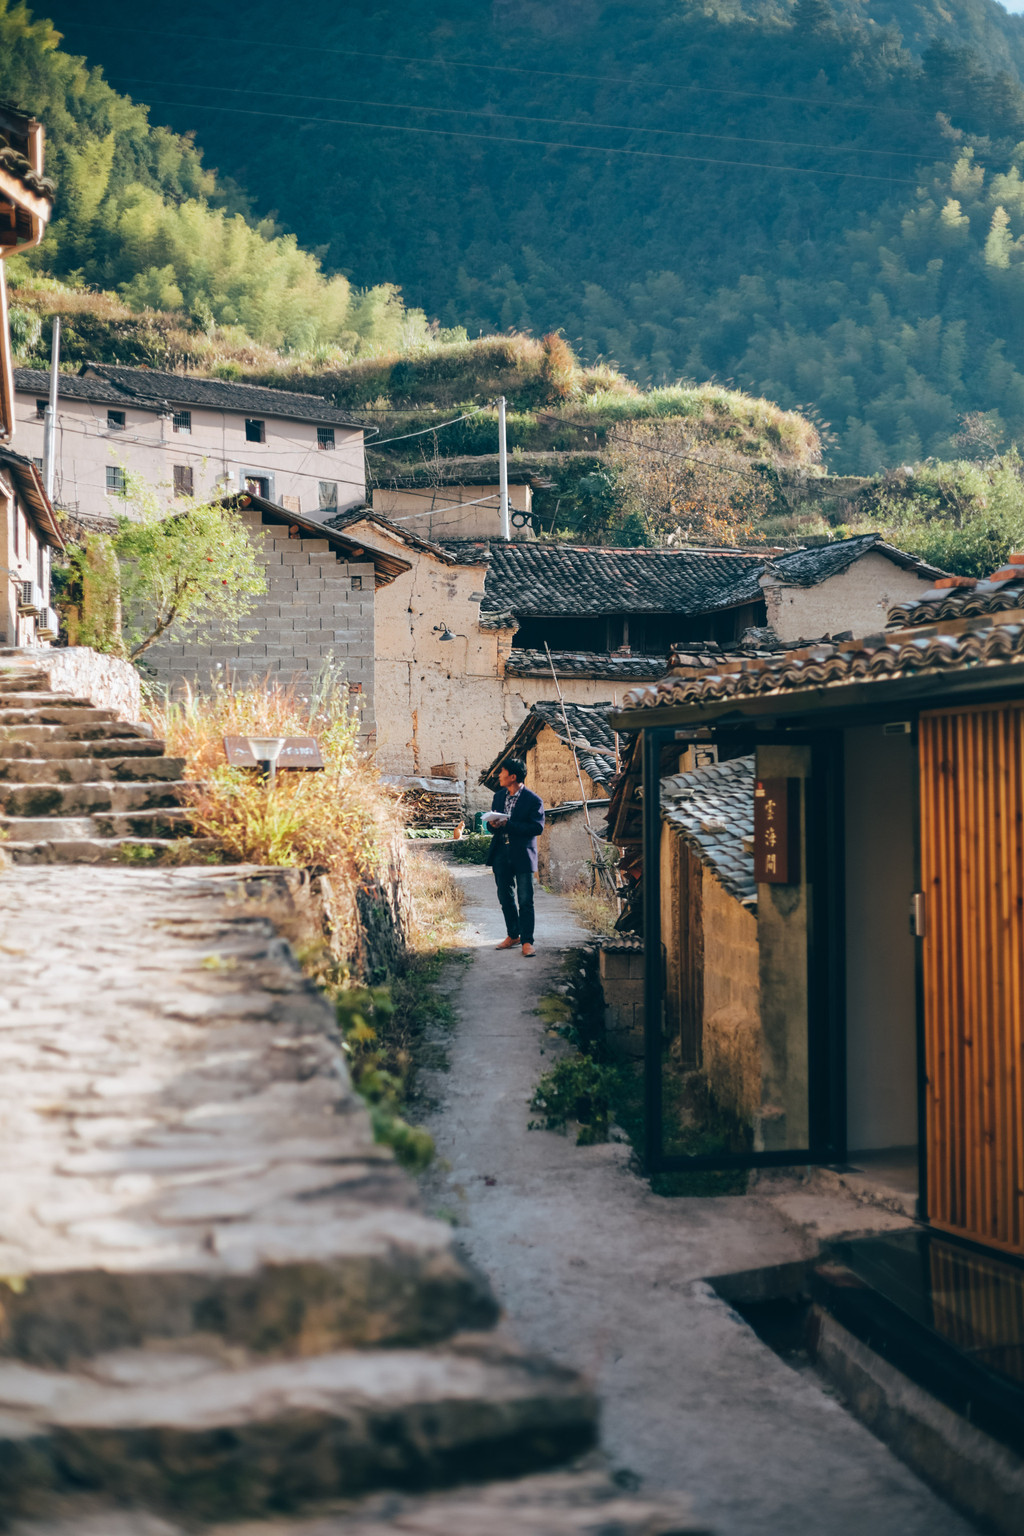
<point>516,766</point>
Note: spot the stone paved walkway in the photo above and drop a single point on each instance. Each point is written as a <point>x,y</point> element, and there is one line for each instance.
<point>219,1299</point>
<point>610,1278</point>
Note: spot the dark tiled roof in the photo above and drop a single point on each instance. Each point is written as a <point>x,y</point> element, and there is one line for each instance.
<point>968,599</point>
<point>72,386</point>
<point>712,809</point>
<point>835,665</point>
<point>527,578</point>
<point>808,567</point>
<point>397,531</point>
<point>527,663</point>
<point>621,943</point>
<point>148,389</point>
<point>588,731</point>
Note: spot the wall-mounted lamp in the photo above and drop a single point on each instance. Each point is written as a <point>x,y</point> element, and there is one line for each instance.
<point>445,633</point>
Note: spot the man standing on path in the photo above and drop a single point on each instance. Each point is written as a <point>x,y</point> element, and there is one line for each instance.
<point>516,821</point>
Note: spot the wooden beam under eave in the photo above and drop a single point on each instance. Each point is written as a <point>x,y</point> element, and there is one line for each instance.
<point>33,206</point>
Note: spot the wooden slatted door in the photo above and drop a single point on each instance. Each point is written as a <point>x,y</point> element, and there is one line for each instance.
<point>972,862</point>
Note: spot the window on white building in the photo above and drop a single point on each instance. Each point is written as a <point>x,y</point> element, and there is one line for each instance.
<point>183,480</point>
<point>255,431</point>
<point>181,421</point>
<point>328,496</point>
<point>117,484</point>
<point>115,421</point>
<point>325,437</point>
<point>41,409</point>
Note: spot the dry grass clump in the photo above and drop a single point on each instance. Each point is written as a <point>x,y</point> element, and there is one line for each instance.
<point>595,910</point>
<point>338,820</point>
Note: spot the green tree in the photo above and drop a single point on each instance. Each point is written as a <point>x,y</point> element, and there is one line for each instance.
<point>195,572</point>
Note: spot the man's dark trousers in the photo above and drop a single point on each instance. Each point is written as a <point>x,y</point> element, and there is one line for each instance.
<point>513,857</point>
<point>512,883</point>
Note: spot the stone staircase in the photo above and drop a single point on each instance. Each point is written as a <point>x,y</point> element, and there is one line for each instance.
<point>219,1298</point>
<point>79,785</point>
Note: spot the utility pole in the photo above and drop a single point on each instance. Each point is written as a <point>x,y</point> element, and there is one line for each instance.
<point>50,415</point>
<point>506,530</point>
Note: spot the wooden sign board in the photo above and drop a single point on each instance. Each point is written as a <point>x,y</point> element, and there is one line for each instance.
<point>777,831</point>
<point>297,752</point>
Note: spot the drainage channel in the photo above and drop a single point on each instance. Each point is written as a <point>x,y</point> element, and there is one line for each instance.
<point>917,1337</point>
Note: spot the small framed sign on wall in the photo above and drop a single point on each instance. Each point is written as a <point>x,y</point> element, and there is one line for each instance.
<point>777,831</point>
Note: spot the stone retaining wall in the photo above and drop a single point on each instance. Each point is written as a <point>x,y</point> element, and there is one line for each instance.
<point>107,681</point>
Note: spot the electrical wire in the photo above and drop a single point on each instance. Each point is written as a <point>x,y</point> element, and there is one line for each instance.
<point>832,103</point>
<point>497,138</point>
<point>521,117</point>
<point>435,428</point>
<point>668,453</point>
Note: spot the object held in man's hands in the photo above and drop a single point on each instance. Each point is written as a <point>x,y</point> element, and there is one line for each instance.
<point>492,820</point>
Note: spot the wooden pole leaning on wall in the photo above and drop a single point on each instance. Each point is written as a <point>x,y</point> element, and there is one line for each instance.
<point>601,867</point>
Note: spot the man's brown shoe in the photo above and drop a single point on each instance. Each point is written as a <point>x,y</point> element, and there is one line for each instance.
<point>507,944</point>
<point>528,950</point>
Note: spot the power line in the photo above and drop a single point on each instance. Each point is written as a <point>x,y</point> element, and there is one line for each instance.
<point>668,453</point>
<point>502,69</point>
<point>435,428</point>
<point>521,117</point>
<point>597,149</point>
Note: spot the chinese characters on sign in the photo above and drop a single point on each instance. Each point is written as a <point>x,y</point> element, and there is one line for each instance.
<point>777,831</point>
<point>298,752</point>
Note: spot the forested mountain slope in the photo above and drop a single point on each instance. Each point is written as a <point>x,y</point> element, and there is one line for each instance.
<point>822,205</point>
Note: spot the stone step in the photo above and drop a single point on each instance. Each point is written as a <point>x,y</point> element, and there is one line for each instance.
<point>99,730</point>
<point>13,697</point>
<point>62,713</point>
<point>21,829</point>
<point>574,1503</point>
<point>109,850</point>
<point>172,821</point>
<point>228,1439</point>
<point>51,747</point>
<point>91,770</point>
<point>85,799</point>
<point>25,678</point>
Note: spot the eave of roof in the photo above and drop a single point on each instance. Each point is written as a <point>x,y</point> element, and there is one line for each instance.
<point>523,662</point>
<point>392,530</point>
<point>385,566</point>
<point>712,810</point>
<point>145,389</point>
<point>29,486</point>
<point>588,732</point>
<point>909,667</point>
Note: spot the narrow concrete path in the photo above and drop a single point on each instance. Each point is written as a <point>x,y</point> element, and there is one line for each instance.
<point>606,1276</point>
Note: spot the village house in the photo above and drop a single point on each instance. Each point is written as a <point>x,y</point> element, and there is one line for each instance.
<point>318,611</point>
<point>571,758</point>
<point>444,509</point>
<point>190,436</point>
<point>886,804</point>
<point>462,639</point>
<point>28,528</point>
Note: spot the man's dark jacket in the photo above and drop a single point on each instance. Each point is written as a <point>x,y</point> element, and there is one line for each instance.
<point>516,843</point>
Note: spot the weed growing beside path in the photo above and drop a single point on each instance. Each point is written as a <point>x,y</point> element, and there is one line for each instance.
<point>385,1028</point>
<point>592,1091</point>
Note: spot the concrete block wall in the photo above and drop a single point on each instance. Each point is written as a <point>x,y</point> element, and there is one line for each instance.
<point>315,607</point>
